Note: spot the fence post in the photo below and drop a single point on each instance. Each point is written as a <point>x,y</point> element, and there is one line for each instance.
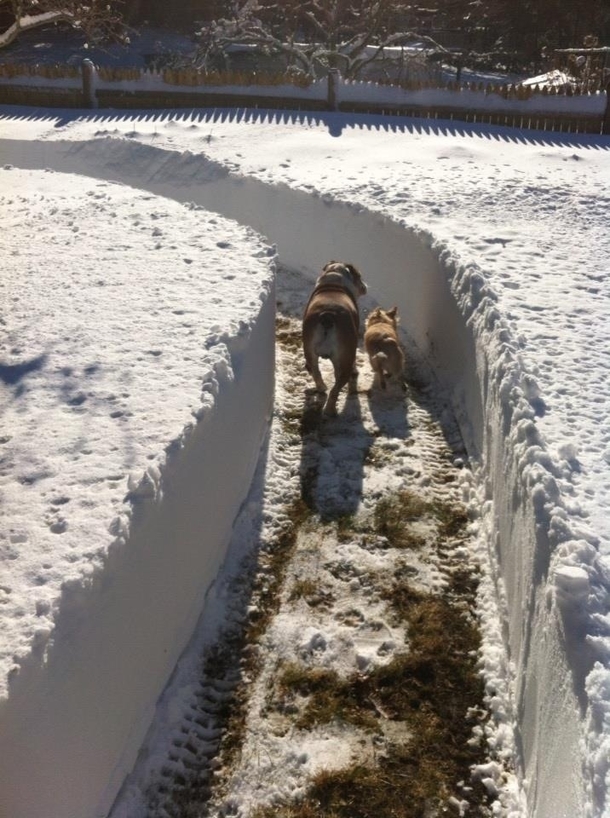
<point>606,122</point>
<point>88,74</point>
<point>333,81</point>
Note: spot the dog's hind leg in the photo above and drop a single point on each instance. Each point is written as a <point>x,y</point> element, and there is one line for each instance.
<point>352,386</point>
<point>377,364</point>
<point>343,375</point>
<point>330,407</point>
<point>312,366</point>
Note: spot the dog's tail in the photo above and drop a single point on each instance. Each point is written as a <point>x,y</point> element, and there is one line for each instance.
<point>378,360</point>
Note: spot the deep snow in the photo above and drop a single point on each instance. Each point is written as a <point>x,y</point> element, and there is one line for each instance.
<point>125,367</point>
<point>493,243</point>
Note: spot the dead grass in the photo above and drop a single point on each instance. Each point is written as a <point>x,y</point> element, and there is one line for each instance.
<point>329,698</point>
<point>452,519</point>
<point>287,334</point>
<point>393,515</point>
<point>350,526</point>
<point>378,456</point>
<point>431,690</point>
<point>311,592</point>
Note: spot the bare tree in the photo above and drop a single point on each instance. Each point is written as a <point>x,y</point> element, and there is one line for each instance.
<point>98,19</point>
<point>329,34</point>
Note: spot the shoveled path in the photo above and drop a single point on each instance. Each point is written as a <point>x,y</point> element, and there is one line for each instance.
<point>344,672</point>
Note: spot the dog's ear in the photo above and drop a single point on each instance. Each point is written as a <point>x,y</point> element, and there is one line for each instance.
<point>393,313</point>
<point>356,277</point>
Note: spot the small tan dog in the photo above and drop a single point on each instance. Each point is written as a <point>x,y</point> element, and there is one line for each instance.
<point>383,348</point>
<point>331,323</point>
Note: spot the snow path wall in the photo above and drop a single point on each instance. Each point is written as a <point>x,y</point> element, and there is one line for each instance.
<point>548,576</point>
<point>72,725</point>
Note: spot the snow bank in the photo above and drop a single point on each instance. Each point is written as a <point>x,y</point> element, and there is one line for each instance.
<point>130,445</point>
<point>453,318</point>
<point>548,571</point>
<point>471,100</point>
<point>547,568</point>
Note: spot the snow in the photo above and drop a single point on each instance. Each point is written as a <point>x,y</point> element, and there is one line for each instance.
<point>125,366</point>
<point>31,21</point>
<point>354,92</point>
<point>492,243</point>
<point>552,79</point>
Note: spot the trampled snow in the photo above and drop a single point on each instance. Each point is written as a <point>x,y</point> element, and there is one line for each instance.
<point>494,245</point>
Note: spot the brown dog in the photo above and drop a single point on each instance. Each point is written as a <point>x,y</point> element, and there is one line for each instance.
<point>384,351</point>
<point>330,326</point>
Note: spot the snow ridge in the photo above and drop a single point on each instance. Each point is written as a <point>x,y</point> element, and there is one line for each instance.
<point>560,566</point>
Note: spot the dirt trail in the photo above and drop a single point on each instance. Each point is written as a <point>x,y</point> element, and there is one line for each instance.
<point>345,683</point>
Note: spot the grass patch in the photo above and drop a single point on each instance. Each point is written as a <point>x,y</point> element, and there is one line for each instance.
<point>350,526</point>
<point>303,589</point>
<point>346,526</point>
<point>330,698</point>
<point>430,689</point>
<point>452,519</point>
<point>311,592</point>
<point>393,514</point>
<point>378,456</point>
<point>287,334</point>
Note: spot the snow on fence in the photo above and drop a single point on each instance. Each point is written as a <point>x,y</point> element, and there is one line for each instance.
<point>581,107</point>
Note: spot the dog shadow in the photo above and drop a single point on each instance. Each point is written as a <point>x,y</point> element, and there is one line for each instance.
<point>389,409</point>
<point>333,455</point>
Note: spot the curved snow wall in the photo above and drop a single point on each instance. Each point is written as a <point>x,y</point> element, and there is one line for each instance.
<point>76,714</point>
<point>451,315</point>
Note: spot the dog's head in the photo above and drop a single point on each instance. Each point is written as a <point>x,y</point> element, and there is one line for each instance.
<point>346,273</point>
<point>379,316</point>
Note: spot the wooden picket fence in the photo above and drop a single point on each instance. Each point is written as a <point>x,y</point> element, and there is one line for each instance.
<point>190,77</point>
<point>68,86</point>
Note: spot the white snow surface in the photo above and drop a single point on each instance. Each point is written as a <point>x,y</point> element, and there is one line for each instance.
<point>126,361</point>
<point>494,245</point>
<point>108,295</point>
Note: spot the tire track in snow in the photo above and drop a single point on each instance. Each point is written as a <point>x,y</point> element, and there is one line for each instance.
<point>306,584</point>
